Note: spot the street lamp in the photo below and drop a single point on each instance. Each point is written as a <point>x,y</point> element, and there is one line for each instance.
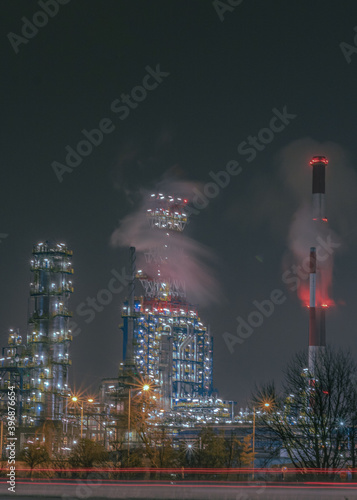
<point>266,405</point>
<point>81,401</point>
<point>145,387</point>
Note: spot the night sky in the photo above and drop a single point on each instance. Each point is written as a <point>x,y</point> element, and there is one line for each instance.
<point>224,80</point>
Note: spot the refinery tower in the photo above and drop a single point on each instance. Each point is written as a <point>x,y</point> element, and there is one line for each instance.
<point>39,367</point>
<point>48,327</point>
<point>164,337</point>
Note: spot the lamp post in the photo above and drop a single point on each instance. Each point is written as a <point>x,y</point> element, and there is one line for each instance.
<point>253,444</point>
<point>1,437</point>
<point>145,387</point>
<point>81,401</point>
<point>129,415</point>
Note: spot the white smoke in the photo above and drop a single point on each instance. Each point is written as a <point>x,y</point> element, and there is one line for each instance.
<point>188,261</point>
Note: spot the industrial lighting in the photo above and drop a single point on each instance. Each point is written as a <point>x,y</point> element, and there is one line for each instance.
<point>319,159</point>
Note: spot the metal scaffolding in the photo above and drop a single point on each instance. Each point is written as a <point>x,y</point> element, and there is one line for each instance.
<point>171,345</point>
<point>39,367</point>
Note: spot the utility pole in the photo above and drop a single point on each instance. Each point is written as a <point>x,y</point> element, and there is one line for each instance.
<point>1,437</point>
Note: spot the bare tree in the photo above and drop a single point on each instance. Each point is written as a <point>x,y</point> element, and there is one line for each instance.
<point>212,452</point>
<point>315,412</point>
<point>87,453</point>
<point>159,447</point>
<point>33,455</point>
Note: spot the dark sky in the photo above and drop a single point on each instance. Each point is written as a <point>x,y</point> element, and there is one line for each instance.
<point>225,78</point>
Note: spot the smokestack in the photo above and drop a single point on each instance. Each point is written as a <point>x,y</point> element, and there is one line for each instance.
<point>129,357</point>
<point>318,164</point>
<point>313,333</point>
<point>322,327</point>
<point>317,335</point>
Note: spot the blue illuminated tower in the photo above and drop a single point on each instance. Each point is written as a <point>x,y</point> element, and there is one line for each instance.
<point>49,334</point>
<point>171,346</point>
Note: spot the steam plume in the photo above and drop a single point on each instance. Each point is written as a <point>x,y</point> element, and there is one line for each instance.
<point>187,260</point>
<point>341,183</point>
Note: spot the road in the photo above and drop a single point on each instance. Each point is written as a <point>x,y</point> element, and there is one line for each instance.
<point>130,490</point>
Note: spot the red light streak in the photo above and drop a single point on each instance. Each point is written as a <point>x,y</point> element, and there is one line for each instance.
<point>165,484</point>
<point>187,470</point>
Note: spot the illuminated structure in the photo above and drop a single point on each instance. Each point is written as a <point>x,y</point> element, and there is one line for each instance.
<point>39,368</point>
<point>171,346</point>
<point>49,335</point>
